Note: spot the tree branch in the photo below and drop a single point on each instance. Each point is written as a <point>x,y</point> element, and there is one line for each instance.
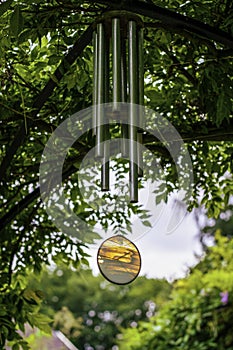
<point>26,201</point>
<point>225,133</point>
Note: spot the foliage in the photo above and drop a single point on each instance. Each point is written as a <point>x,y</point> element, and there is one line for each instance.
<point>95,310</point>
<point>200,312</point>
<point>46,75</point>
<point>19,306</point>
<point>68,325</point>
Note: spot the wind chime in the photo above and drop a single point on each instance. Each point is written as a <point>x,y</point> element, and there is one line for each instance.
<point>119,77</point>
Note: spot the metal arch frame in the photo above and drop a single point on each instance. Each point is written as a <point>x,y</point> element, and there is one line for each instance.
<point>172,19</point>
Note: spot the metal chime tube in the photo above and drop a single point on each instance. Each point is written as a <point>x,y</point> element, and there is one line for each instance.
<point>105,160</point>
<point>141,97</point>
<point>141,68</point>
<point>140,155</point>
<point>100,90</point>
<point>124,126</point>
<point>133,99</point>
<point>123,71</point>
<point>95,77</point>
<point>116,61</point>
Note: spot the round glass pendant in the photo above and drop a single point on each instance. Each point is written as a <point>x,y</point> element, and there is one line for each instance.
<point>119,260</point>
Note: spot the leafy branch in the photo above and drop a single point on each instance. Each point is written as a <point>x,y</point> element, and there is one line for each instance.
<point>72,55</point>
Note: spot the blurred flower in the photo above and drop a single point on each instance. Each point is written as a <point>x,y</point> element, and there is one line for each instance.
<point>224,297</point>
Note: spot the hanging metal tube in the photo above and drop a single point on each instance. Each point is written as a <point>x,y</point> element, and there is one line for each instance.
<point>105,160</point>
<point>95,77</point>
<point>124,126</point>
<point>140,155</point>
<point>124,143</point>
<point>133,61</point>
<point>100,90</point>
<point>140,98</point>
<point>133,99</point>
<point>116,61</point>
<point>141,66</point>
<point>123,71</point>
<point>141,77</point>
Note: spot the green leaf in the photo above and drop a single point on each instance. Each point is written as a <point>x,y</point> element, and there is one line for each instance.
<point>32,296</point>
<point>40,321</point>
<point>3,313</point>
<point>147,223</point>
<point>85,261</point>
<point>34,53</point>
<point>24,345</point>
<point>4,330</point>
<point>54,78</point>
<point>16,21</point>
<point>160,197</point>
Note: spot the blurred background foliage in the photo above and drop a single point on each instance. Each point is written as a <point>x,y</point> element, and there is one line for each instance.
<point>193,312</point>
<point>91,311</point>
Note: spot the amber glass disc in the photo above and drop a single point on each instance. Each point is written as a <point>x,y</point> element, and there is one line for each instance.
<point>119,260</point>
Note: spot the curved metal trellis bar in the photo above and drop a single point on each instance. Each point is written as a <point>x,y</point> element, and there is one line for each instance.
<point>172,20</point>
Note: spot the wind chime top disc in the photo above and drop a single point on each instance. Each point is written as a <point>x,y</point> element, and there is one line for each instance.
<point>119,260</point>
